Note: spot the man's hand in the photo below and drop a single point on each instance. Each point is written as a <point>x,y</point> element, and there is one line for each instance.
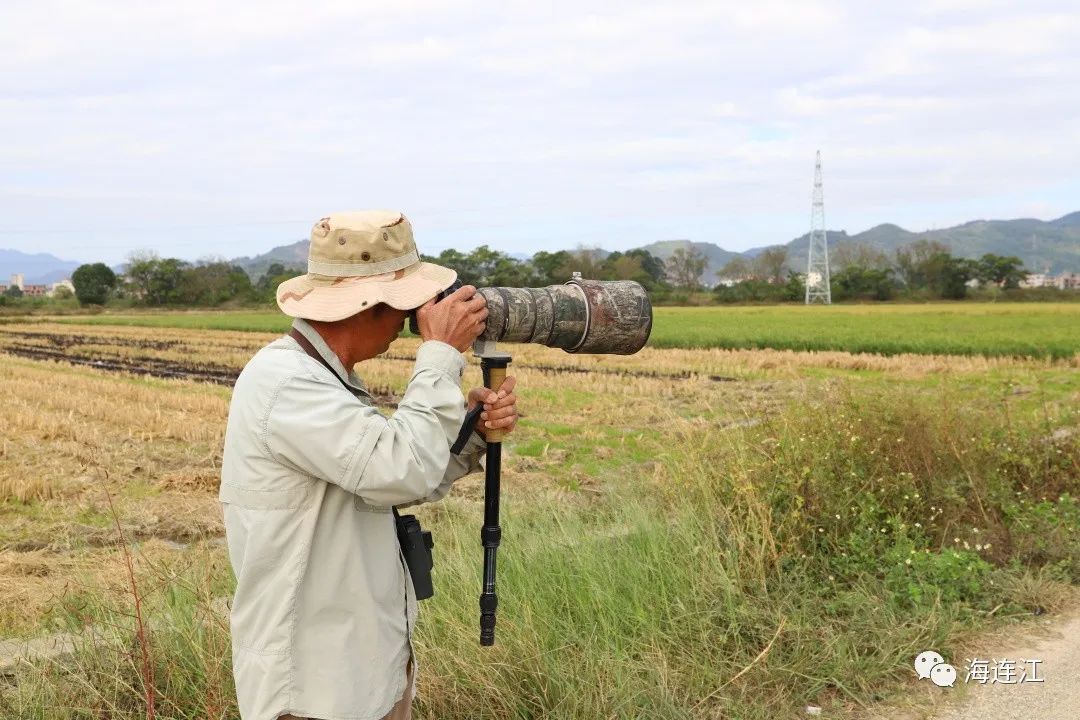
<point>500,407</point>
<point>458,320</point>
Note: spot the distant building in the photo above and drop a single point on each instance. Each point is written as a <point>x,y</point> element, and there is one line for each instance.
<point>733,281</point>
<point>1067,281</point>
<point>1036,280</point>
<point>38,290</point>
<point>65,283</point>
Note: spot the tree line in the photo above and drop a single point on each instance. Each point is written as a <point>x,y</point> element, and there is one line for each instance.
<point>154,281</point>
<point>922,270</point>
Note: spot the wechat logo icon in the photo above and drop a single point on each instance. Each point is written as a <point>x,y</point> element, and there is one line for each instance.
<point>930,665</point>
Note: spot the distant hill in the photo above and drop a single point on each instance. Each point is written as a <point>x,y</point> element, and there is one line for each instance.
<point>1044,246</point>
<point>716,257</point>
<point>291,256</point>
<point>37,268</point>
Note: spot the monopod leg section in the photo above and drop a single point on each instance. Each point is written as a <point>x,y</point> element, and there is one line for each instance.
<point>494,369</point>
<point>490,536</point>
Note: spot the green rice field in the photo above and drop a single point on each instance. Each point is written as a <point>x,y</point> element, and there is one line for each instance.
<point>1044,330</point>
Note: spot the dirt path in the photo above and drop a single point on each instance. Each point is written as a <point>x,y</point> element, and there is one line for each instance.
<point>1057,698</point>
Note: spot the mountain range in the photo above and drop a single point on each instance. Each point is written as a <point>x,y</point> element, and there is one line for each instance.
<point>37,268</point>
<point>1044,246</point>
<point>293,255</point>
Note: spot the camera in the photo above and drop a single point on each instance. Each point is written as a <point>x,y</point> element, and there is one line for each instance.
<point>413,327</point>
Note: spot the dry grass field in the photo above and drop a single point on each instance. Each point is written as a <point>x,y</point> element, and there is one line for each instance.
<point>708,480</point>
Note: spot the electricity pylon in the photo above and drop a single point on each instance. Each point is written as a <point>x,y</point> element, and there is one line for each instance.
<point>818,288</point>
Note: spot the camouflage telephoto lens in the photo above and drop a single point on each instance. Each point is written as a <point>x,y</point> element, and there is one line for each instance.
<point>612,317</point>
<point>609,317</point>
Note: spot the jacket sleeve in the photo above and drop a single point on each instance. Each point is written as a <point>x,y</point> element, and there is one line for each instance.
<point>324,432</point>
<point>466,463</point>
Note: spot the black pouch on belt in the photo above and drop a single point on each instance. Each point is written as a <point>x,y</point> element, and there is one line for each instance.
<point>416,544</point>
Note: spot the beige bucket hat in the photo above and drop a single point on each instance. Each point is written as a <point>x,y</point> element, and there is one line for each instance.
<point>357,260</point>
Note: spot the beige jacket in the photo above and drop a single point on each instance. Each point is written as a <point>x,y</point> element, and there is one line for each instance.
<point>324,606</point>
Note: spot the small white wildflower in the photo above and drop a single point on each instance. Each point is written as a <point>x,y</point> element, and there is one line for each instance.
<point>908,561</point>
<point>918,525</point>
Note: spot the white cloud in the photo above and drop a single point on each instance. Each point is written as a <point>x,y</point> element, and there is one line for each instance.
<point>498,117</point>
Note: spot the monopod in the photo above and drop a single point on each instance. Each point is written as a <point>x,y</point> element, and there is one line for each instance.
<point>581,316</point>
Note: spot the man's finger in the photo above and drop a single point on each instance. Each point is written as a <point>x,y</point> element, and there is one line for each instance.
<point>501,402</point>
<point>507,385</point>
<point>484,396</point>
<point>499,423</point>
<point>498,413</point>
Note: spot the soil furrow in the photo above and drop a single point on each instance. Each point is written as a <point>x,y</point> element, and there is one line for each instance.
<point>154,367</point>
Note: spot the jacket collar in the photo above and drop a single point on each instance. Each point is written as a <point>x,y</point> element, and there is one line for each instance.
<point>316,340</point>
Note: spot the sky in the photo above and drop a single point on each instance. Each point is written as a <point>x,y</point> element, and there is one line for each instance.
<point>205,129</point>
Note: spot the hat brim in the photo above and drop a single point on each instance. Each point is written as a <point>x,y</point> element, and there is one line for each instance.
<point>304,297</point>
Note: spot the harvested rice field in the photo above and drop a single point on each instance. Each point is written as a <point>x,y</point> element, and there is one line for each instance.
<point>669,517</point>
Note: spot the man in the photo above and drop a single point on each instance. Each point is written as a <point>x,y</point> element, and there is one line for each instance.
<point>324,606</point>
